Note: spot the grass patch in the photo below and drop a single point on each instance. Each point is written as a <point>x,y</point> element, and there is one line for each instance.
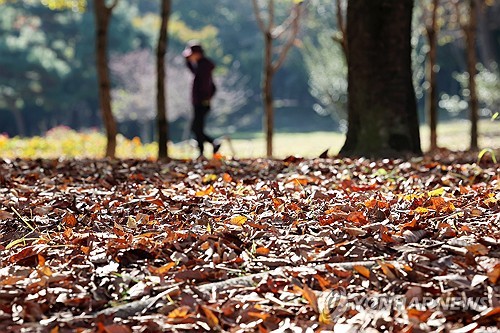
<point>67,143</point>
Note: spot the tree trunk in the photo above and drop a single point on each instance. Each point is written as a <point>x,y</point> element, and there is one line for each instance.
<point>102,18</point>
<point>383,120</point>
<point>161,98</point>
<point>267,94</point>
<point>431,103</point>
<point>18,118</point>
<point>470,38</point>
<point>485,42</point>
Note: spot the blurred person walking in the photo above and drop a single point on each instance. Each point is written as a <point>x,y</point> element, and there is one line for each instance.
<point>202,92</point>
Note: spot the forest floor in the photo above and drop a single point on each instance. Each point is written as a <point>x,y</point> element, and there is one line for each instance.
<point>251,245</point>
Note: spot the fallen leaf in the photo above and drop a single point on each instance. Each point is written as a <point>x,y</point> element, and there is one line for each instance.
<point>311,298</point>
<point>212,319</point>
<point>238,219</point>
<point>362,270</point>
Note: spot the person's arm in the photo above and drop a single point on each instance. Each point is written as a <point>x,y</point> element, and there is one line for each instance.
<point>190,66</point>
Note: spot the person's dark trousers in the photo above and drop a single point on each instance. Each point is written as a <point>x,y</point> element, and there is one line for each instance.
<point>198,126</point>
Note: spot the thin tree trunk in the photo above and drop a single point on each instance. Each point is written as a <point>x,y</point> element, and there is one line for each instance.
<point>271,66</point>
<point>161,98</point>
<point>18,118</point>
<point>470,36</point>
<point>382,107</point>
<point>102,18</point>
<point>485,41</point>
<point>342,29</point>
<point>431,74</point>
<point>267,92</point>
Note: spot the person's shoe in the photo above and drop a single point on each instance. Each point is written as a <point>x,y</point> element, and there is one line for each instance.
<point>217,145</point>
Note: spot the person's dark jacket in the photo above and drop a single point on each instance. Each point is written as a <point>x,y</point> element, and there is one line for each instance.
<point>203,85</point>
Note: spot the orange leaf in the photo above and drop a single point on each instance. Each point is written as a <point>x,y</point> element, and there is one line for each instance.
<point>341,273</point>
<point>421,316</point>
<point>277,202</point>
<point>161,270</point>
<point>494,274</point>
<point>238,219</point>
<point>156,201</point>
<point>386,268</point>
<point>27,252</point>
<point>11,280</point>
<point>465,228</point>
<point>69,220</point>
<point>324,283</point>
<point>488,313</point>
<point>212,319</point>
<point>357,217</point>
<point>209,190</point>
<point>41,260</point>
<point>85,249</point>
<point>387,238</point>
<point>179,313</point>
<point>478,249</point>
<point>226,178</point>
<point>262,251</point>
<point>261,315</point>
<point>117,329</point>
<point>45,271</point>
<point>362,270</point>
<point>409,225</point>
<point>440,205</point>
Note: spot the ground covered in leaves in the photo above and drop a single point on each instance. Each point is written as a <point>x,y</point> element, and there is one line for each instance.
<point>250,246</point>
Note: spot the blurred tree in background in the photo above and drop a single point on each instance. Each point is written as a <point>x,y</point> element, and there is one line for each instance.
<point>48,74</point>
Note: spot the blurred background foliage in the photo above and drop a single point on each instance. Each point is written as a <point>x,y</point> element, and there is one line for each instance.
<point>48,78</point>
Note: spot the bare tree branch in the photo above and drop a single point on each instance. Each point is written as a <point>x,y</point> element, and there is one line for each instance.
<point>258,17</point>
<point>291,39</point>
<point>113,5</point>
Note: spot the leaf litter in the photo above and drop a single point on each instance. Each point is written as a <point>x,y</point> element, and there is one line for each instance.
<point>340,245</point>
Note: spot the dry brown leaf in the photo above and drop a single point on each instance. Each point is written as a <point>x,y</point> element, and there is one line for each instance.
<point>311,298</point>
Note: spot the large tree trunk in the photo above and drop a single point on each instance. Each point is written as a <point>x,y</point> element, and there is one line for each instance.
<point>102,18</point>
<point>383,120</point>
<point>431,103</point>
<point>470,31</point>
<point>267,94</point>
<point>161,99</point>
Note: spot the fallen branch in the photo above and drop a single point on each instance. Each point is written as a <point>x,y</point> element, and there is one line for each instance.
<point>205,290</point>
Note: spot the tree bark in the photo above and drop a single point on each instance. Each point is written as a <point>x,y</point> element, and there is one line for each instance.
<point>102,18</point>
<point>470,31</point>
<point>161,98</point>
<point>383,120</point>
<point>431,103</point>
